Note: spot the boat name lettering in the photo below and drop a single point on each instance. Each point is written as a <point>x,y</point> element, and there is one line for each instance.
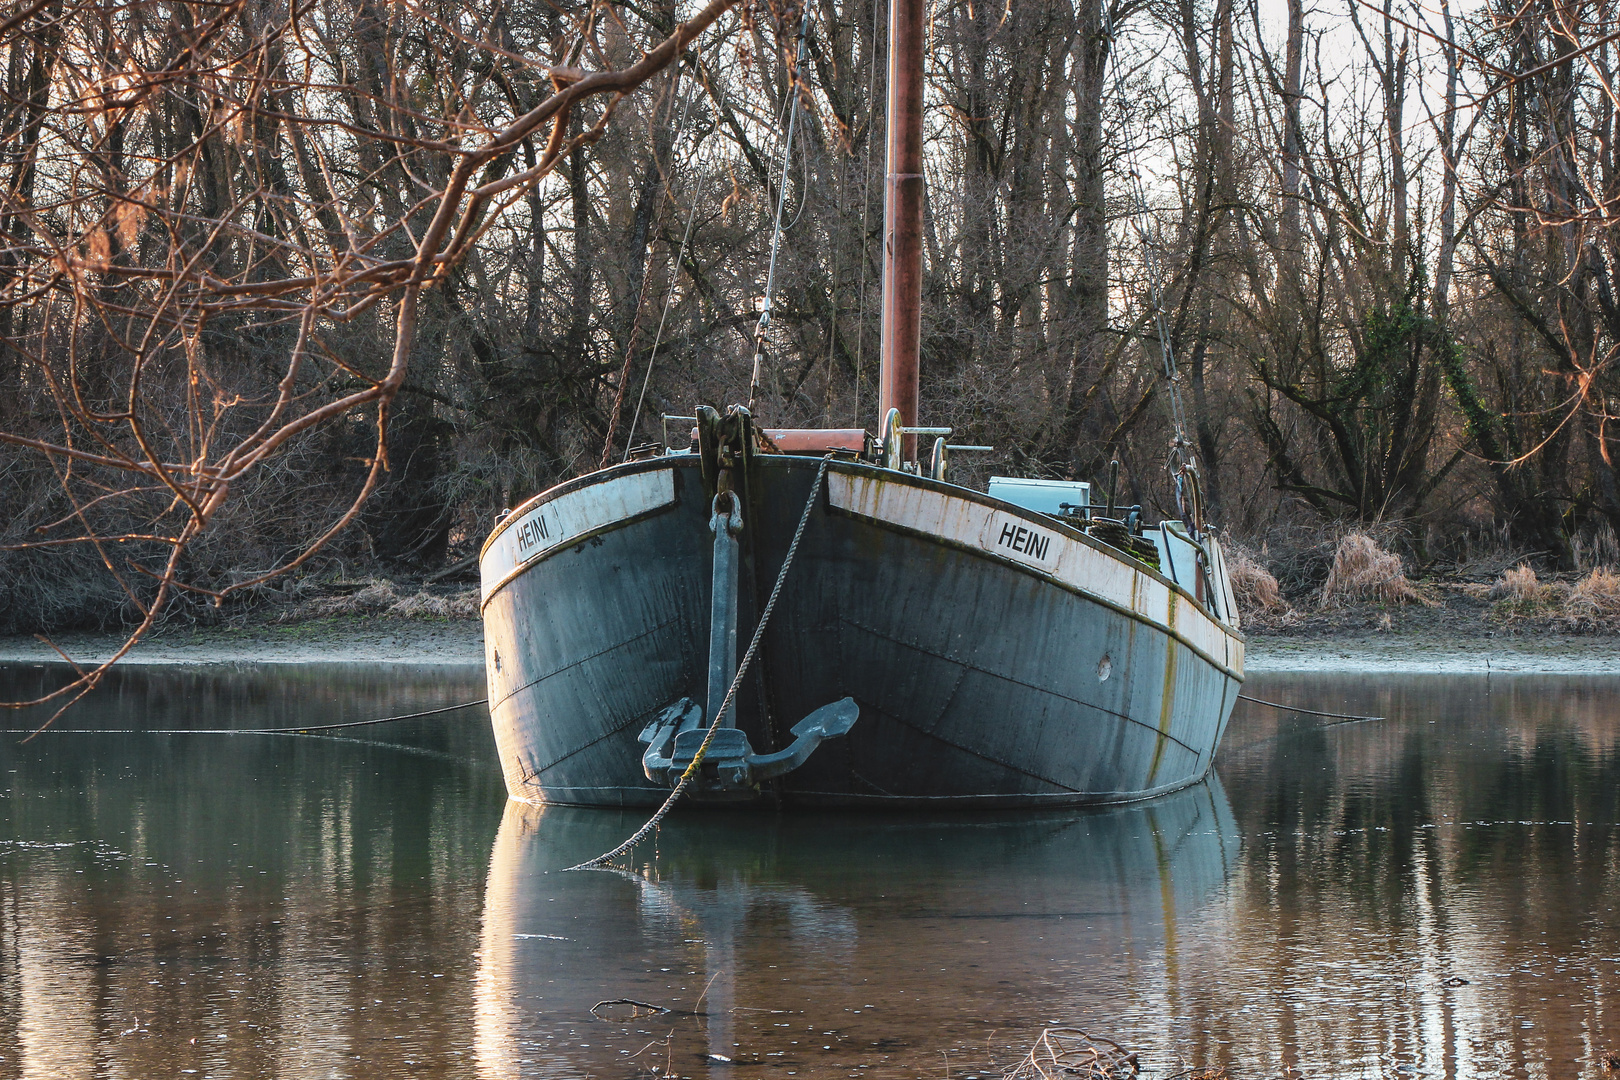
<point>1015,538</point>
<point>1024,541</point>
<point>561,520</point>
<point>532,536</point>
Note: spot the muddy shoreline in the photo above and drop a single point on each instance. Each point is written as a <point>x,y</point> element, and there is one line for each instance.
<point>340,639</point>
<point>1412,642</point>
<point>1386,653</point>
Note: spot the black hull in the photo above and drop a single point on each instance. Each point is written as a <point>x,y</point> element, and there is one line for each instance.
<point>980,681</point>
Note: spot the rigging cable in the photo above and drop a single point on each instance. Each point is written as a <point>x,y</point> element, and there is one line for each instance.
<point>641,296</point>
<point>764,326</point>
<point>1182,462</point>
<point>866,204</point>
<point>669,296</point>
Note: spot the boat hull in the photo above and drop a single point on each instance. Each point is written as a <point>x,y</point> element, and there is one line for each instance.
<point>1041,670</point>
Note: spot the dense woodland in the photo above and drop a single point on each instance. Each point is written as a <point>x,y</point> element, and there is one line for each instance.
<point>322,285</point>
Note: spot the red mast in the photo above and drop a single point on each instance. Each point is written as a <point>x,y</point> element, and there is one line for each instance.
<point>902,219</point>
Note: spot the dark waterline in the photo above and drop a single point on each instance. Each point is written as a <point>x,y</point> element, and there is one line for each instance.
<point>1429,895</point>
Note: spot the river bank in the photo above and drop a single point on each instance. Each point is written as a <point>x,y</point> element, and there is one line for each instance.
<point>1370,639</point>
<point>337,639</point>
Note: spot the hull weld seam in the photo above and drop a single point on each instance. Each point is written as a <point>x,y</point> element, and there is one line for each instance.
<point>1019,682</point>
<point>620,729</point>
<point>584,660</point>
<point>1009,766</point>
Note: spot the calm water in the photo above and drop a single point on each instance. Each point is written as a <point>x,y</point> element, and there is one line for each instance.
<point>1431,895</point>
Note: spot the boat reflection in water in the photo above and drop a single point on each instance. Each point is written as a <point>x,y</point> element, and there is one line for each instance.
<point>834,945</point>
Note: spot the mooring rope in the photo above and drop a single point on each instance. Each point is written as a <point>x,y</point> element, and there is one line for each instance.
<point>304,729</point>
<point>1308,712</point>
<point>731,694</point>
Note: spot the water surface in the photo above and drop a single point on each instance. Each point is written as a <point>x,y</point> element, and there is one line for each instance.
<point>1428,895</point>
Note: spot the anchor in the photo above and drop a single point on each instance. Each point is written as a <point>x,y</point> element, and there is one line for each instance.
<point>730,769</point>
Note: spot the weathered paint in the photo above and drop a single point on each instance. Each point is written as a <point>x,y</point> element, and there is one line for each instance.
<point>976,670</point>
<point>1167,707</point>
<point>549,522</point>
<point>1068,556</point>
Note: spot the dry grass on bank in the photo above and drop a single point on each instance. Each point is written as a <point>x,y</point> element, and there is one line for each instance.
<point>1591,603</point>
<point>379,596</point>
<point>1364,572</point>
<point>1258,594</point>
<point>1254,586</point>
<point>1517,585</point>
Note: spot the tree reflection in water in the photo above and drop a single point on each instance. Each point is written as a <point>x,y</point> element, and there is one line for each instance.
<point>1429,895</point>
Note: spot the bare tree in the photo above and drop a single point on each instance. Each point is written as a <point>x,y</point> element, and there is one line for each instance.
<point>224,225</point>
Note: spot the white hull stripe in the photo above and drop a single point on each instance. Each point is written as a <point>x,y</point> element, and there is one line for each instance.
<point>557,522</point>
<point>1024,542</point>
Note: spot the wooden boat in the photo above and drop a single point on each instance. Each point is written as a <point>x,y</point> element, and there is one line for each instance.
<point>930,644</point>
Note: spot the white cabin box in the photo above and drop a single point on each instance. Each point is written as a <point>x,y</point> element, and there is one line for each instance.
<point>1042,496</point>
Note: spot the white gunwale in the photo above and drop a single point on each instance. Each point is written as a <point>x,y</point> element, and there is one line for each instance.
<point>1180,599</point>
<point>1180,603</point>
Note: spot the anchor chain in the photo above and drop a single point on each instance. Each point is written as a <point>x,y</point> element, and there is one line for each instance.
<point>731,694</point>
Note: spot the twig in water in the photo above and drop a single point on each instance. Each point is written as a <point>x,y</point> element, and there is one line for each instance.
<point>644,1049</point>
<point>635,1005</point>
<point>1061,1053</point>
<point>705,993</point>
